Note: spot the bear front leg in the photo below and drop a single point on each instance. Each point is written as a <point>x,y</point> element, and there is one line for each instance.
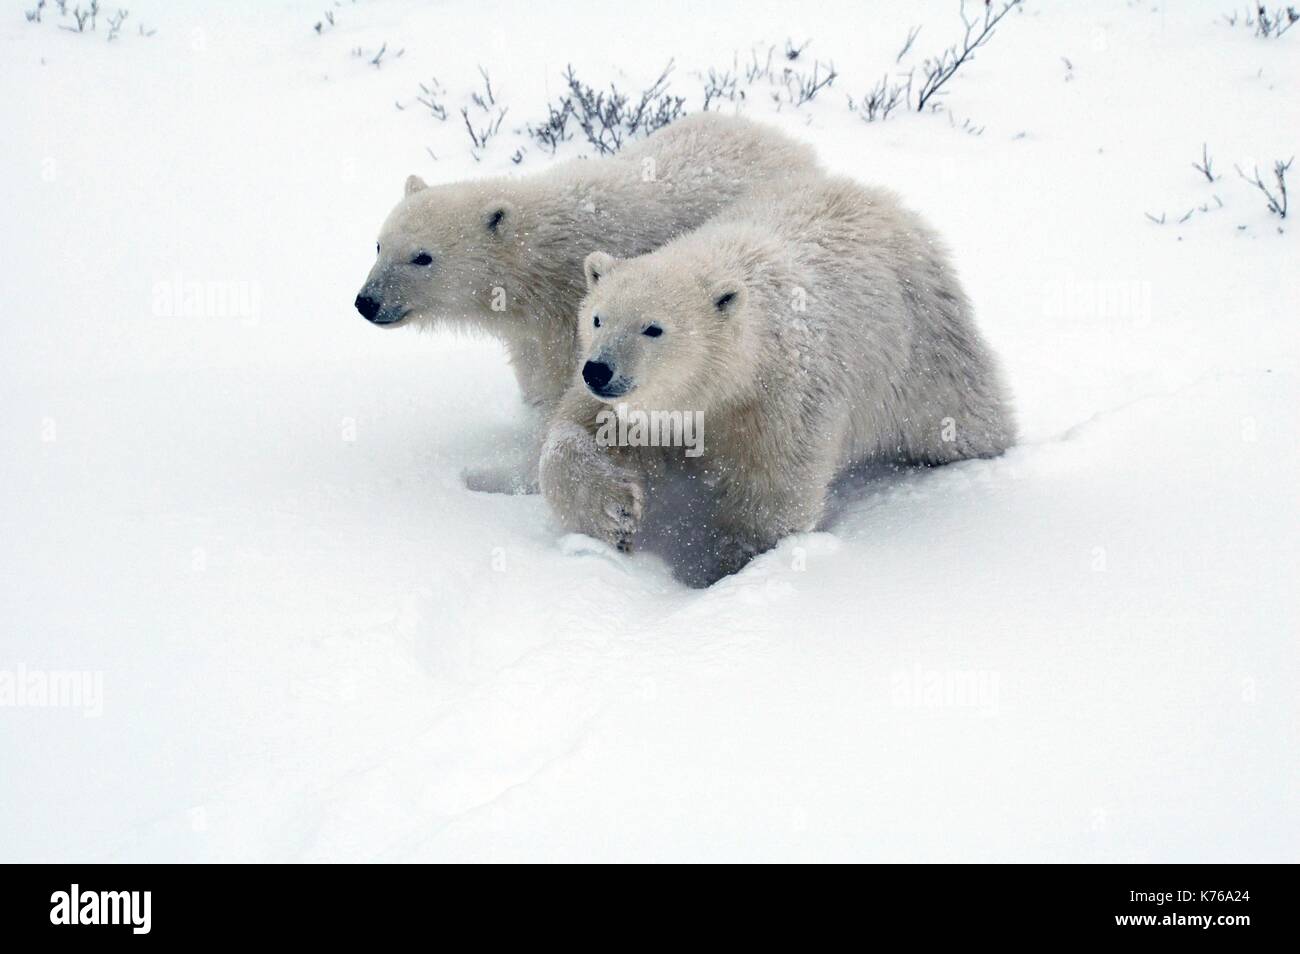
<point>516,474</point>
<point>759,510</point>
<point>589,491</point>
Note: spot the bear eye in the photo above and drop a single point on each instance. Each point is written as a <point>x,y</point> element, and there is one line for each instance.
<point>654,331</point>
<point>595,320</point>
<point>424,258</point>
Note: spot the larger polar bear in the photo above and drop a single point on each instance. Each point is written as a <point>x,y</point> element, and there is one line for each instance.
<point>505,256</point>
<point>806,331</point>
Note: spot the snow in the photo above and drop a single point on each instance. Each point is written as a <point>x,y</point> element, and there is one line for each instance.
<point>316,644</point>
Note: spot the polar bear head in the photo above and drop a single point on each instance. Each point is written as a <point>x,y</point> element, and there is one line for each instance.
<point>663,330</point>
<point>443,253</point>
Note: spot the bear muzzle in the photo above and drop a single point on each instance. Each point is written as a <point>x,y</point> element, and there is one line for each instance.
<point>599,378</point>
<point>373,310</point>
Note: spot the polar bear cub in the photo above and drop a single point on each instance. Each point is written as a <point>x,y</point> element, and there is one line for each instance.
<point>808,329</point>
<point>504,256</point>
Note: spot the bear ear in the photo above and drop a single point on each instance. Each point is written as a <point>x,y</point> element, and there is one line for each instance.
<point>498,217</point>
<point>728,297</point>
<point>595,265</point>
<point>415,184</point>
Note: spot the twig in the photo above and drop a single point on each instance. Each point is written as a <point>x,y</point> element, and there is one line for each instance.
<point>911,38</point>
<point>1276,203</point>
<point>1205,167</point>
<point>938,72</point>
<point>483,134</point>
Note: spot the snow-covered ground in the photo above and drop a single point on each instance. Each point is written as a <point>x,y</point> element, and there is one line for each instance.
<point>246,519</point>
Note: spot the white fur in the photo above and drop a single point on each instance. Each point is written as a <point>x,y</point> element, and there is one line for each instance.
<point>507,253</point>
<point>816,327</point>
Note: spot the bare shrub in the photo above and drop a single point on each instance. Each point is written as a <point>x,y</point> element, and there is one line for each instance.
<point>608,118</point>
<point>378,59</point>
<point>115,22</point>
<point>722,86</point>
<point>489,124</point>
<point>1266,25</point>
<point>79,19</point>
<point>483,133</point>
<point>487,99</point>
<point>759,70</point>
<point>430,98</point>
<point>939,70</point>
<point>883,98</point>
<point>788,85</point>
<point>802,87</point>
<point>83,17</point>
<point>1206,166</point>
<point>1276,23</point>
<point>1276,197</point>
<point>555,128</point>
<point>903,90</point>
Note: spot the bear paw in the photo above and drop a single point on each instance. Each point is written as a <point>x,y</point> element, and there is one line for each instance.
<point>620,504</point>
<point>733,552</point>
<point>499,480</point>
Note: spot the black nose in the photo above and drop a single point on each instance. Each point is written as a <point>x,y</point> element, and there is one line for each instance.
<point>368,307</point>
<point>597,375</point>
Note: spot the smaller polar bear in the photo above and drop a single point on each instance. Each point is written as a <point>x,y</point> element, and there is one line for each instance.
<point>504,256</point>
<point>808,330</point>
